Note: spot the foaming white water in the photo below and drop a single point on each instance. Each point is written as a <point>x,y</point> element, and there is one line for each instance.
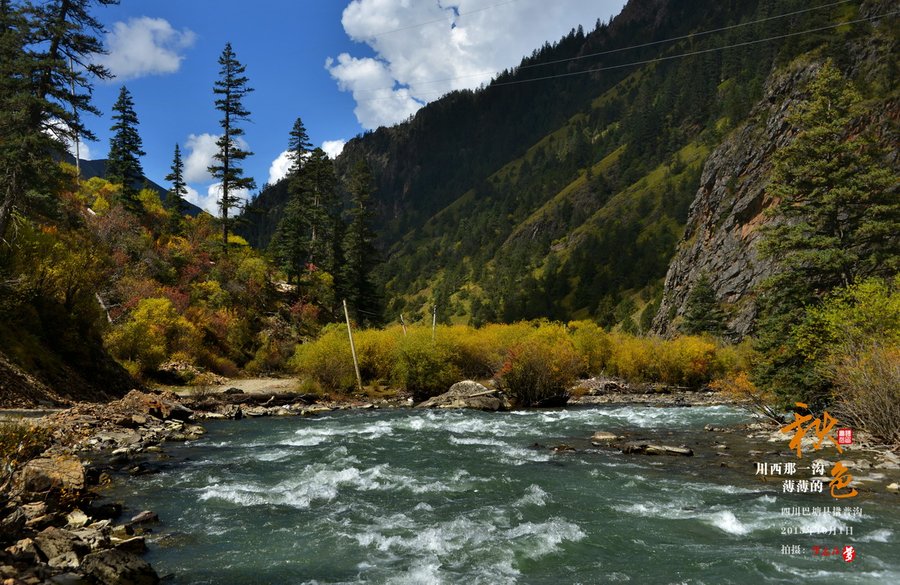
<point>540,539</point>
<point>726,521</point>
<point>534,496</point>
<point>880,535</point>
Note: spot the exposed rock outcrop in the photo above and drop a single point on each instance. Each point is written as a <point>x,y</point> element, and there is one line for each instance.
<point>723,226</point>
<point>725,217</point>
<point>467,394</point>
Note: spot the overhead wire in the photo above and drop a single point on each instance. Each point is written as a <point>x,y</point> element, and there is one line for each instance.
<point>697,52</point>
<point>660,58</point>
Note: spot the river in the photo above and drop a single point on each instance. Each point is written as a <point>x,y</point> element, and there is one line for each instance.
<point>421,497</point>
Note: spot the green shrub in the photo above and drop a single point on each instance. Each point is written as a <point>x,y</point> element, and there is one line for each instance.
<point>424,366</point>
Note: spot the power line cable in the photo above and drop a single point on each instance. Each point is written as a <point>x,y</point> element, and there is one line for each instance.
<point>628,48</point>
<point>666,57</point>
<point>698,52</point>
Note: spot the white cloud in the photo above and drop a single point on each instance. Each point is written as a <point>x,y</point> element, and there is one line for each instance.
<point>210,200</point>
<point>280,167</point>
<point>145,46</point>
<point>202,148</point>
<point>333,148</point>
<point>466,48</point>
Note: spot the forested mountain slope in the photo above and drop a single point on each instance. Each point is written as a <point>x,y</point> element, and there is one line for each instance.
<point>566,197</point>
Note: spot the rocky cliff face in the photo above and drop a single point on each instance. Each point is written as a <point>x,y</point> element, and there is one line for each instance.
<point>725,217</point>
<point>724,222</point>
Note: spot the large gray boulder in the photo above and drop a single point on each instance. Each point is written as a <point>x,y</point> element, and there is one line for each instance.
<point>63,473</point>
<point>116,567</point>
<point>467,394</point>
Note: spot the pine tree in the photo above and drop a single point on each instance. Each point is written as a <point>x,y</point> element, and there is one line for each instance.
<point>125,147</point>
<point>38,109</point>
<point>360,255</point>
<point>231,88</point>
<point>175,195</point>
<point>838,220</point>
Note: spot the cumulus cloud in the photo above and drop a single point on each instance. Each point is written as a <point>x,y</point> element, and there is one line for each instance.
<point>209,201</point>
<point>463,45</point>
<point>145,46</point>
<point>84,151</point>
<point>333,148</point>
<point>280,167</point>
<point>201,149</point>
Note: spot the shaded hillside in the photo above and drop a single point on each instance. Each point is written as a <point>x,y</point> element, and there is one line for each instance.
<point>566,198</point>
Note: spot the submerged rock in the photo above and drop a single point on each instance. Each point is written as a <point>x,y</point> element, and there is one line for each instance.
<point>467,394</point>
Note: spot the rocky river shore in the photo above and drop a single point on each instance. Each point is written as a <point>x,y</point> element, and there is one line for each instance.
<point>56,529</point>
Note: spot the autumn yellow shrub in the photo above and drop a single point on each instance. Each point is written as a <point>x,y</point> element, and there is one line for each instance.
<point>593,344</point>
<point>540,369</point>
<point>153,332</point>
<point>684,361</point>
<point>377,351</point>
<point>328,360</point>
<point>425,366</point>
<point>631,358</point>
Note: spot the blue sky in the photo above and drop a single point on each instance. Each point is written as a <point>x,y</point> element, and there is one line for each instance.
<point>343,66</point>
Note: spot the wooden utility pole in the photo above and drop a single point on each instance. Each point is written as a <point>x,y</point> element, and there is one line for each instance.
<point>433,322</point>
<point>353,348</point>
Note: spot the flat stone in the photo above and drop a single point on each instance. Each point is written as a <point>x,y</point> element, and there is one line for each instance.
<point>893,488</point>
<point>603,437</point>
<point>650,449</point>
<point>77,519</point>
<point>70,579</point>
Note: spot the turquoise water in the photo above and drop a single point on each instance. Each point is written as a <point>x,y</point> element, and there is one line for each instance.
<point>460,497</point>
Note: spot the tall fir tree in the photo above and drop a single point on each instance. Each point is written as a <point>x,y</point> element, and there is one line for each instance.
<point>230,89</point>
<point>125,149</point>
<point>175,194</point>
<point>305,236</point>
<point>360,256</point>
<point>837,221</point>
<point>289,243</point>
<point>702,313</point>
<point>39,111</point>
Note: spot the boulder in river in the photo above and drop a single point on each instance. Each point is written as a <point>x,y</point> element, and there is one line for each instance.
<point>601,438</point>
<point>651,449</point>
<point>467,394</point>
